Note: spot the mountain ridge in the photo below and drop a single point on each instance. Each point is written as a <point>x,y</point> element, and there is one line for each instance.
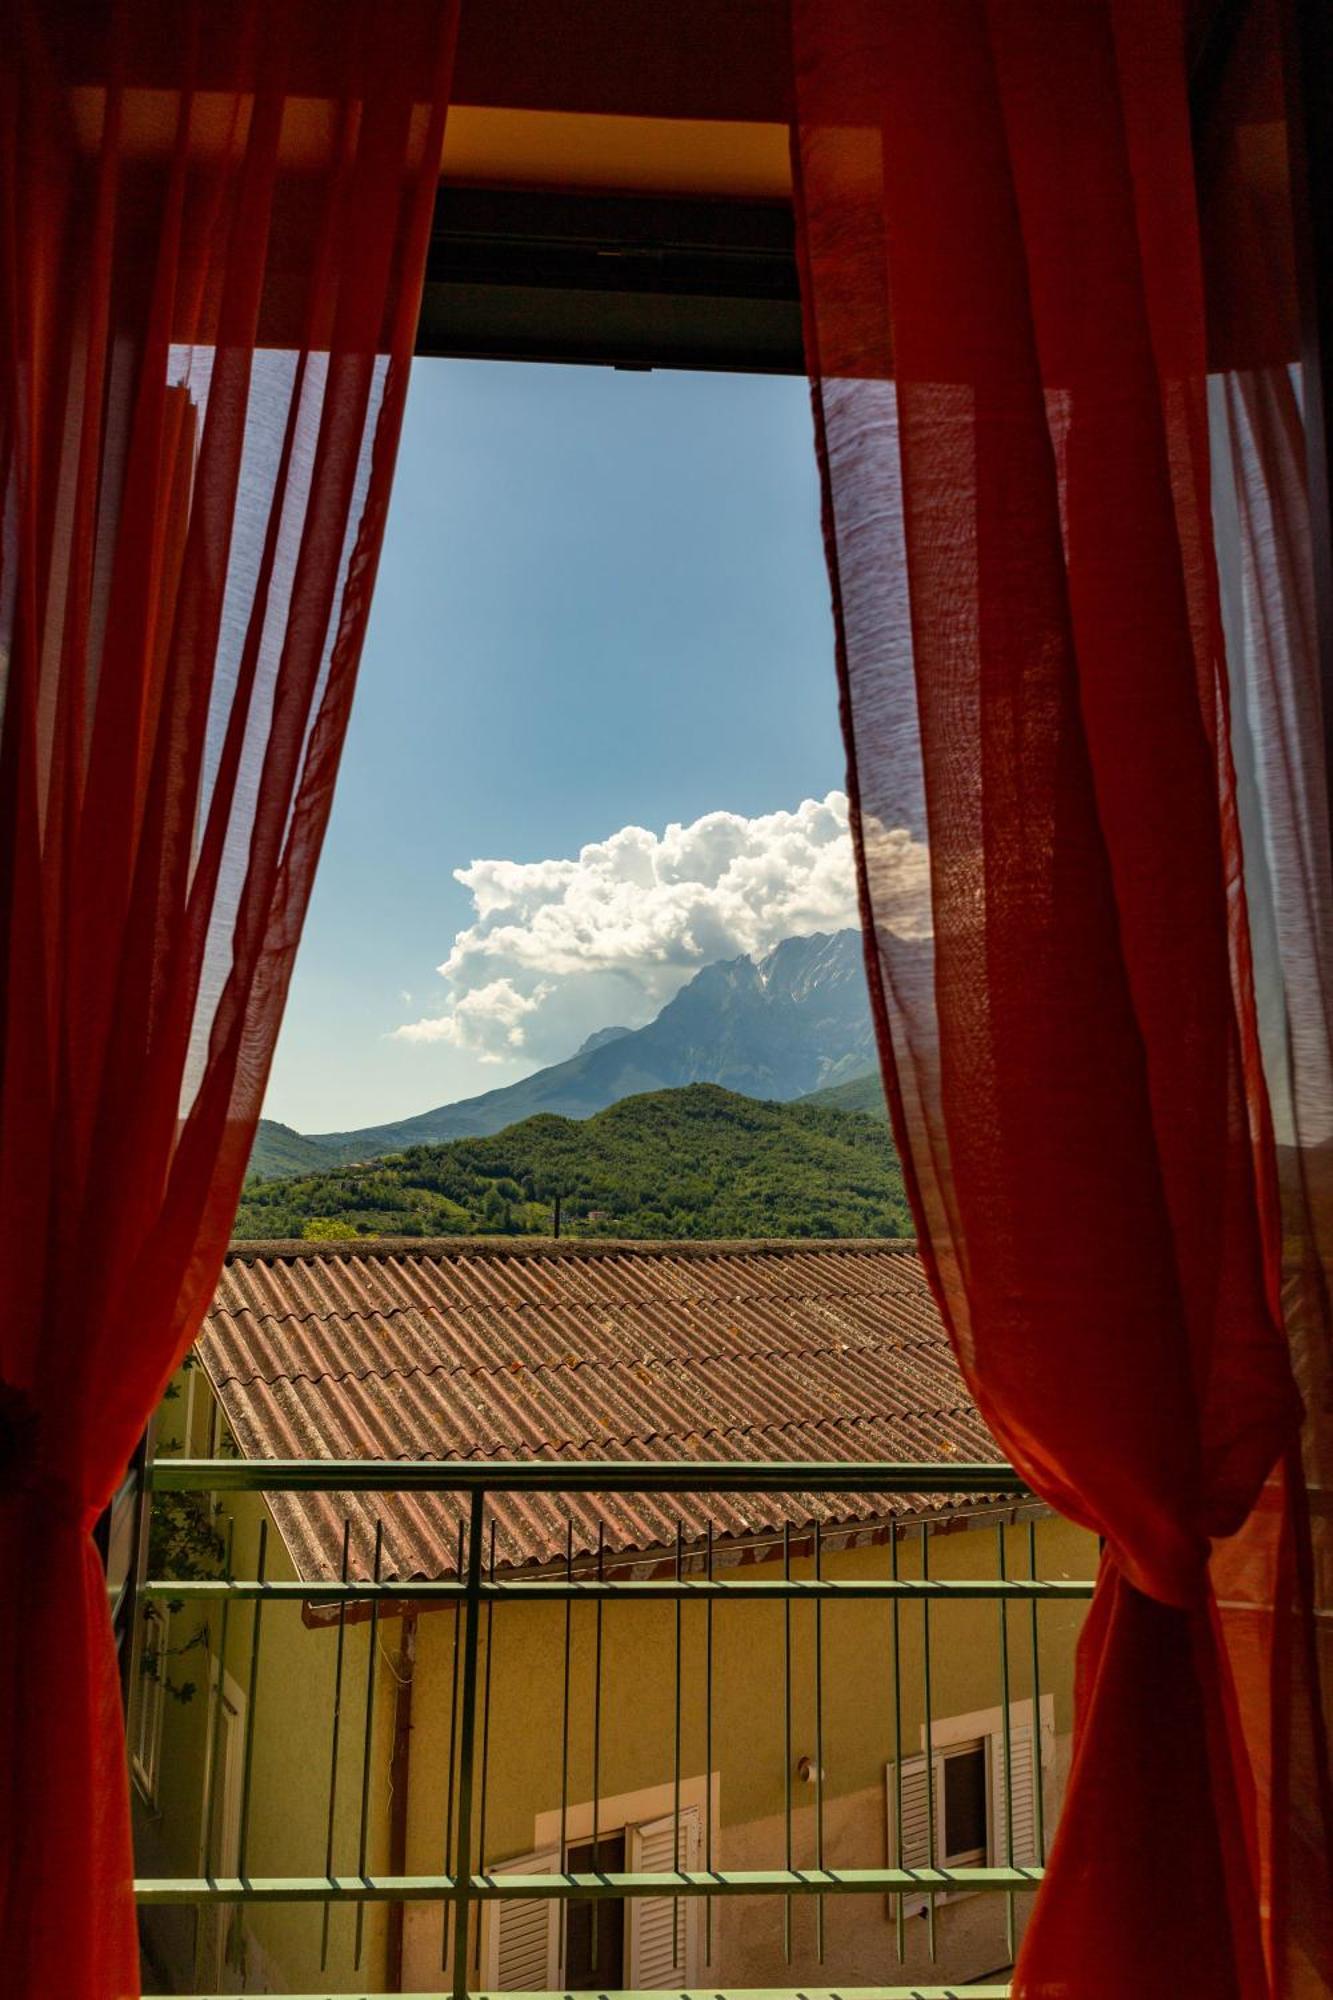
<point>793,1021</point>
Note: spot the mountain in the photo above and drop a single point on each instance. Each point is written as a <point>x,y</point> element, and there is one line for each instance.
<point>599,1038</point>
<point>696,1162</point>
<point>280,1150</point>
<point>859,1093</point>
<point>794,1021</point>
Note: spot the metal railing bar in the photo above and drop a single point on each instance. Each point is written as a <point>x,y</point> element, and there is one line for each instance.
<point>448,1911</point>
<point>334,1739</point>
<point>362,1475</point>
<point>486,1714</point>
<point>900,1920</point>
<point>288,1590</point>
<point>708,1754</point>
<point>931,1804</point>
<point>819,1743</point>
<point>557,1589</point>
<point>460,1887</point>
<point>372,1668</point>
<point>564,1742</point>
<point>1037,1777</point>
<point>676,1753</point>
<point>252,1697</point>
<point>597,1731</point>
<point>219,1695</point>
<point>700,1993</point>
<point>787,1740</point>
<point>1007,1735</point>
<point>173,1891</point>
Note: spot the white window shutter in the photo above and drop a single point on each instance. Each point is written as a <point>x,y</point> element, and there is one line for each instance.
<point>914,1849</point>
<point>520,1941</point>
<point>663,1931</point>
<point>1024,1806</point>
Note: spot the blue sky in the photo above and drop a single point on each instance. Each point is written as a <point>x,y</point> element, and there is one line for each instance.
<point>602,605</point>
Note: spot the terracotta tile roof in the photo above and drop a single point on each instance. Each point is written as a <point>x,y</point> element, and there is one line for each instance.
<point>494,1348</point>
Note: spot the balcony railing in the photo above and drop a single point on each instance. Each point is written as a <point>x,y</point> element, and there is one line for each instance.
<point>783,1566</point>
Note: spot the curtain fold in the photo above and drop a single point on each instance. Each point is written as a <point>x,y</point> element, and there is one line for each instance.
<point>1007,333</point>
<point>213,228</point>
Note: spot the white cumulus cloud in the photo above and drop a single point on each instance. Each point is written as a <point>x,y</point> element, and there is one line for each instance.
<point>560,947</point>
<point>489,1018</point>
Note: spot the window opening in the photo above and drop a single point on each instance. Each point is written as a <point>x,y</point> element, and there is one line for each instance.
<point>595,1953</point>
<point>965,1805</point>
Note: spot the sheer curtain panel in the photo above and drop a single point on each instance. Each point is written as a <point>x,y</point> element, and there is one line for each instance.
<point>1007,338</point>
<point>213,225</point>
<point>1274,1579</point>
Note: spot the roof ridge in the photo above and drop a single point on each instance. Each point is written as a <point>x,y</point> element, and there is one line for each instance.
<point>607,1444</point>
<point>298,1249</point>
<point>552,1367</point>
<point>621,1306</point>
<point>849,1422</point>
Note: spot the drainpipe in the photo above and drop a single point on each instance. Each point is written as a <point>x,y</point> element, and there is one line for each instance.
<point>398,1774</point>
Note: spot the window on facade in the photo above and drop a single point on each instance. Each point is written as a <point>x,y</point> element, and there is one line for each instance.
<point>595,1945</point>
<point>973,1802</point>
<point>964,1806</point>
<point>647,1943</point>
<point>146,1737</point>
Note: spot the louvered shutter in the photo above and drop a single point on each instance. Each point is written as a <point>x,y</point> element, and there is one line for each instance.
<point>521,1940</point>
<point>664,1930</point>
<point>914,1849</point>
<point>1023,1773</point>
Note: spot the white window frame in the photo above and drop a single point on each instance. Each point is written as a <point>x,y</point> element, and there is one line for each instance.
<point>219,1925</point>
<point>964,1857</point>
<point>223,1786</point>
<point>195,1367</point>
<point>150,1698</point>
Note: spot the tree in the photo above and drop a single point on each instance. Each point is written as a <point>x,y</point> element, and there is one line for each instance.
<point>495,1211</point>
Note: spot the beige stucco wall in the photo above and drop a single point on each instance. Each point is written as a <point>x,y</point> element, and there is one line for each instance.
<point>638,1725</point>
<point>291,1756</point>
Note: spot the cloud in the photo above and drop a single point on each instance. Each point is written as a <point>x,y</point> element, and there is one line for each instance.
<point>559,947</point>
<point>489,1019</point>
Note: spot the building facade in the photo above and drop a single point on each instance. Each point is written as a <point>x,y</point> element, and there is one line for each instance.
<point>621,1737</point>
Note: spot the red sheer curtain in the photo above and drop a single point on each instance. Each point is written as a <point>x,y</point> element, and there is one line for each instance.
<point>213,225</point>
<point>1005,315</point>
<point>1275,1578</point>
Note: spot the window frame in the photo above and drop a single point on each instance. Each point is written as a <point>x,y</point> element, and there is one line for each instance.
<point>610,279</point>
<point>965,1857</point>
<point>150,1699</point>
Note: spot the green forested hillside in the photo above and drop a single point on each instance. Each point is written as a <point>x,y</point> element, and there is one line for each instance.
<point>278,1149</point>
<point>859,1093</point>
<point>695,1162</point>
